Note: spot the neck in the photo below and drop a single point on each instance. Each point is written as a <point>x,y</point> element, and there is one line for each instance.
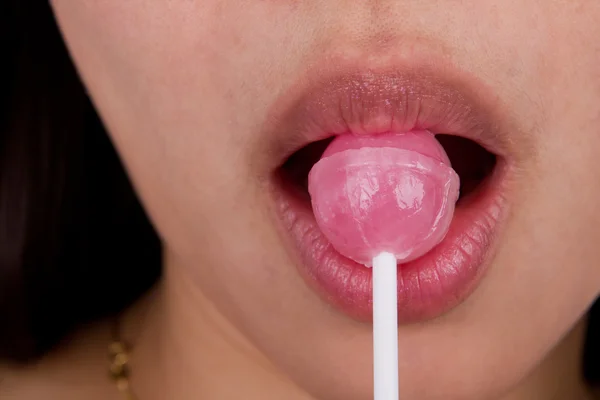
<point>191,351</point>
<point>185,349</point>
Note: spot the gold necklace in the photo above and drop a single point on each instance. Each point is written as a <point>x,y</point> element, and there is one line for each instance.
<point>119,368</point>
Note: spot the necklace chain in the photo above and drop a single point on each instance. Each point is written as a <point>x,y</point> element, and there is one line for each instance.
<point>119,368</point>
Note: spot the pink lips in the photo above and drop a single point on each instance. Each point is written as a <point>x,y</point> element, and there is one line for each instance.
<point>391,192</point>
<point>353,103</point>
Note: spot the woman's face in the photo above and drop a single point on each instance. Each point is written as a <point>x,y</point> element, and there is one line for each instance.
<point>205,100</point>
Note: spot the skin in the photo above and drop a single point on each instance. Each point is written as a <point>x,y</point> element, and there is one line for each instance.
<point>185,88</point>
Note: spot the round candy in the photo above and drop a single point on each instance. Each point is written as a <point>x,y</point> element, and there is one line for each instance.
<point>394,193</point>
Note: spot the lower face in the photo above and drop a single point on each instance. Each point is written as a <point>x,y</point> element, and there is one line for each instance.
<point>219,110</point>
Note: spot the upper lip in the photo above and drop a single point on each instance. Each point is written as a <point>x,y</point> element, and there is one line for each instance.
<point>376,101</point>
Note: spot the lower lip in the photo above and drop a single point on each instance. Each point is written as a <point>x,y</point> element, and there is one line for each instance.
<point>427,287</point>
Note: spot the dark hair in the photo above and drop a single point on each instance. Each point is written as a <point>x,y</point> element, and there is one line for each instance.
<point>75,244</point>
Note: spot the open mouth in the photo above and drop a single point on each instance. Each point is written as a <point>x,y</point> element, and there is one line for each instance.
<point>473,164</point>
<point>439,280</point>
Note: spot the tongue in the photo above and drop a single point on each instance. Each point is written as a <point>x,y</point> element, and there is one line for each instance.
<point>393,192</point>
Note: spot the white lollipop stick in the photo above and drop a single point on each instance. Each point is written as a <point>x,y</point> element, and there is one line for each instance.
<point>385,327</point>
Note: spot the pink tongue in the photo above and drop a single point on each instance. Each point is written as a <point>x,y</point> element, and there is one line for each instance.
<point>392,192</point>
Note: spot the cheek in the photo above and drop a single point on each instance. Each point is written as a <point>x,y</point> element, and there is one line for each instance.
<point>179,65</point>
<point>152,67</point>
<point>173,82</point>
<point>562,218</point>
<point>182,85</point>
<point>549,255</point>
<point>546,272</point>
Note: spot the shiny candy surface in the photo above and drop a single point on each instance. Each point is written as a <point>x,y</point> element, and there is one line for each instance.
<point>381,193</point>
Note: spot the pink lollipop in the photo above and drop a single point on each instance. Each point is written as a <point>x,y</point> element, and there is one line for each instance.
<point>392,193</point>
<point>382,199</point>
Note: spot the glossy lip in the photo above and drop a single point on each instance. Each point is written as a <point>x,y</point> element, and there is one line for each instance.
<point>376,102</point>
